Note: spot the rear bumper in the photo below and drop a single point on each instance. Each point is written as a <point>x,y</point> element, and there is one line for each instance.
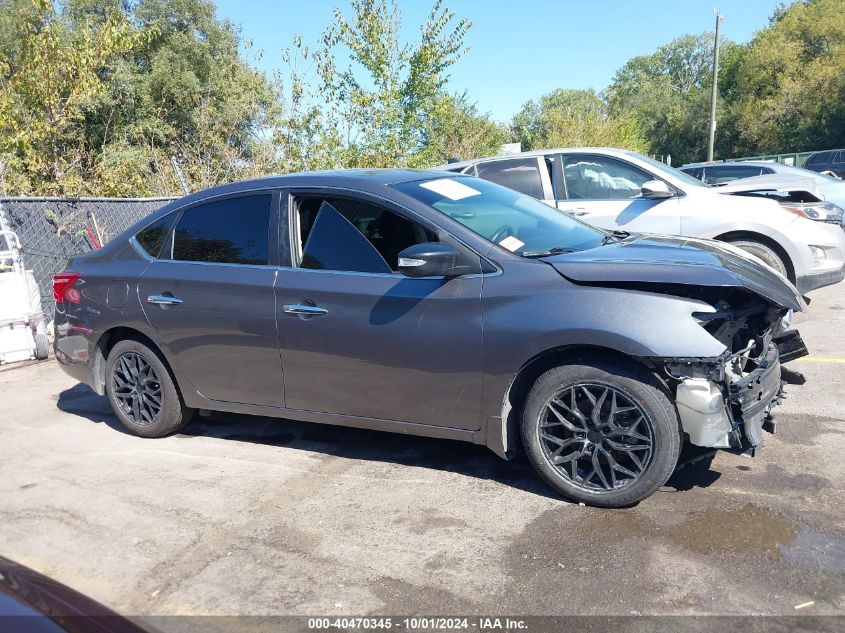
<point>71,349</point>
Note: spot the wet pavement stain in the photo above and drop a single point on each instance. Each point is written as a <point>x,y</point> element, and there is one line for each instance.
<point>815,549</point>
<point>592,548</point>
<point>747,529</point>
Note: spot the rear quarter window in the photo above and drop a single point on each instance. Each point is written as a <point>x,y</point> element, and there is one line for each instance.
<point>519,174</point>
<point>152,237</point>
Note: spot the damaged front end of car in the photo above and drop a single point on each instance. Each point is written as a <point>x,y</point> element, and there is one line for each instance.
<point>726,402</point>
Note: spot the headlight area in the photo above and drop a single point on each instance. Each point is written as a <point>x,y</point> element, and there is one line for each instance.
<point>726,402</point>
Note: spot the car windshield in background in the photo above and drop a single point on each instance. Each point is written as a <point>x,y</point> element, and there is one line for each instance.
<point>510,219</point>
<point>670,171</point>
<point>806,173</point>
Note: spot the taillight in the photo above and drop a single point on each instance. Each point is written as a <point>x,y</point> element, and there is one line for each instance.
<point>63,289</point>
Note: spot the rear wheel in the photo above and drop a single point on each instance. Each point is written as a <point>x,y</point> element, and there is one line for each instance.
<point>761,251</point>
<point>142,392</point>
<point>601,432</point>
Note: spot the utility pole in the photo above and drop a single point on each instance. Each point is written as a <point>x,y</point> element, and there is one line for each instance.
<point>715,91</point>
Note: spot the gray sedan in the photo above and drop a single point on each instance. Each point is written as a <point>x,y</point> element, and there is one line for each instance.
<point>438,305</point>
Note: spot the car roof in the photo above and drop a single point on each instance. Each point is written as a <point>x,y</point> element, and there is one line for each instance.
<point>612,151</point>
<point>336,177</point>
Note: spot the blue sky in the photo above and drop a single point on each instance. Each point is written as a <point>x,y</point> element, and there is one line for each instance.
<point>519,49</point>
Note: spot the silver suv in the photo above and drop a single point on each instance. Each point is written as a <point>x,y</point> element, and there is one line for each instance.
<point>621,190</point>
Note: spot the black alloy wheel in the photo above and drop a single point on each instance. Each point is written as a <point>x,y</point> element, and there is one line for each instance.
<point>137,388</point>
<point>596,436</point>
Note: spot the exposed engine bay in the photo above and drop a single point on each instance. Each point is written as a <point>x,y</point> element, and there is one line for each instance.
<point>726,402</point>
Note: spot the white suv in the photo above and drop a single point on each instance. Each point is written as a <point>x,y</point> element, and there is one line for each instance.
<point>618,189</point>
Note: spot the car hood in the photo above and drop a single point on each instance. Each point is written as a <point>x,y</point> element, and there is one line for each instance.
<point>664,259</point>
<point>772,182</point>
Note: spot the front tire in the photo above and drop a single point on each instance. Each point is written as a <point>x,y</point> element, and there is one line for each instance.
<point>761,251</point>
<point>142,393</point>
<point>601,432</point>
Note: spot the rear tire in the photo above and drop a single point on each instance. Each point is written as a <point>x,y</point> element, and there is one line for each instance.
<point>761,251</point>
<point>142,392</point>
<point>601,416</point>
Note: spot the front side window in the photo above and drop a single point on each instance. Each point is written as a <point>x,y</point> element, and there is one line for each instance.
<point>353,235</point>
<point>518,223</point>
<point>151,238</point>
<point>602,178</point>
<point>662,169</point>
<point>229,231</point>
<point>520,174</point>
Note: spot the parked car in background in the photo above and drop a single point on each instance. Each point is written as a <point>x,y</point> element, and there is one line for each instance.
<point>33,602</point>
<point>829,188</point>
<point>619,189</point>
<point>357,298</point>
<point>795,194</point>
<point>830,162</point>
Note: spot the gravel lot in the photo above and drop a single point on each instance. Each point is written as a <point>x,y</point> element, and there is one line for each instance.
<point>243,515</point>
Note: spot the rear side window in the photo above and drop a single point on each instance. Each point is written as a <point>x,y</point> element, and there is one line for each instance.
<point>153,236</point>
<point>230,231</point>
<point>721,175</point>
<point>695,172</point>
<point>519,174</point>
<point>818,159</point>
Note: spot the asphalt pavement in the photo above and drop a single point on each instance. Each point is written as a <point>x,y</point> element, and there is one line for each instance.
<point>246,515</point>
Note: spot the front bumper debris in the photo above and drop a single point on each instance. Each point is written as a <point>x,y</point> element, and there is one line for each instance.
<point>733,412</point>
<point>756,393</point>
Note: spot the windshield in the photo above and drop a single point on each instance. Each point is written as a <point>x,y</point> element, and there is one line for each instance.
<point>508,218</point>
<point>669,171</point>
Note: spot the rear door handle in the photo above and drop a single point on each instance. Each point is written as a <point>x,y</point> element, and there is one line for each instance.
<point>163,300</point>
<point>579,211</point>
<point>303,309</point>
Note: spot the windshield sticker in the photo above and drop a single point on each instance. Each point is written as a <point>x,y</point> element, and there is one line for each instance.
<point>511,243</point>
<point>450,188</point>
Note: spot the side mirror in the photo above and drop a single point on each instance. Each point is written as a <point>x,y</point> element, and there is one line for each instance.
<point>656,189</point>
<point>430,259</point>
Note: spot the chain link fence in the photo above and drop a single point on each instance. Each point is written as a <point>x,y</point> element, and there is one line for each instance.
<point>53,229</point>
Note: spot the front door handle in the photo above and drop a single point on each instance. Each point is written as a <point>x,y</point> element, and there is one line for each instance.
<point>163,300</point>
<point>303,309</point>
<point>578,211</point>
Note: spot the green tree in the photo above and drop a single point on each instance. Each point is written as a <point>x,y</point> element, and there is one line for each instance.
<point>308,134</point>
<point>388,94</point>
<point>456,129</point>
<point>188,93</point>
<point>667,94</point>
<point>49,71</point>
<point>568,118</point>
<point>793,81</point>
